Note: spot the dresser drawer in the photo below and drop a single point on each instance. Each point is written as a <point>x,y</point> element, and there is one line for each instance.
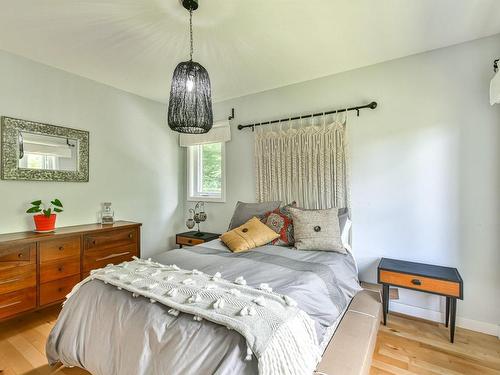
<point>101,258</point>
<point>17,302</point>
<point>188,241</point>
<point>16,278</point>
<point>111,239</point>
<point>59,269</point>
<point>59,249</point>
<point>56,290</point>
<point>17,255</point>
<point>448,288</point>
<point>17,267</point>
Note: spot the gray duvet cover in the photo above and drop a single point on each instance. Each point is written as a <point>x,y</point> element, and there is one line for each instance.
<point>107,332</point>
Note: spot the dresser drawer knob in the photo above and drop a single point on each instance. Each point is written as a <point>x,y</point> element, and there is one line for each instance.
<point>61,248</point>
<point>93,242</point>
<point>190,241</point>
<point>59,289</point>
<point>60,269</point>
<point>416,282</point>
<point>130,236</point>
<point>20,255</point>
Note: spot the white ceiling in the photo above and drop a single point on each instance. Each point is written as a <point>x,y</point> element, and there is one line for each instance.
<point>246,45</point>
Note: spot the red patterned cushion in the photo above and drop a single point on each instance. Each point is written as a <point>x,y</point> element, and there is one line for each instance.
<point>281,222</point>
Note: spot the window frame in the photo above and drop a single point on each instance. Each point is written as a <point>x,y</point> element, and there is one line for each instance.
<point>193,172</point>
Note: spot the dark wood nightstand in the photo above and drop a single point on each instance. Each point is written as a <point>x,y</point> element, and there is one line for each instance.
<point>444,281</point>
<point>194,238</point>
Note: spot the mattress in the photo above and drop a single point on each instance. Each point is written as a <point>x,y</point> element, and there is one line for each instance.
<point>106,331</point>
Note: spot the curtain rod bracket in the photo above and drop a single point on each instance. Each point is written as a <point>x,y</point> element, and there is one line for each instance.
<point>231,116</point>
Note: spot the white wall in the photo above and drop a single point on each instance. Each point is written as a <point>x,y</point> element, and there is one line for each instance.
<point>135,162</point>
<point>425,167</point>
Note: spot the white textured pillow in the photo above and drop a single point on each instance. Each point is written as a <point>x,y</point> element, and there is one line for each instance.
<point>317,230</point>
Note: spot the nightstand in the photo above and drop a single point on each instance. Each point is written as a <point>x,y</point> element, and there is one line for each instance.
<point>194,238</point>
<point>444,281</point>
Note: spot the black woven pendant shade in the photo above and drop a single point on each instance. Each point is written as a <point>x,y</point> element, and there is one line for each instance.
<point>190,104</point>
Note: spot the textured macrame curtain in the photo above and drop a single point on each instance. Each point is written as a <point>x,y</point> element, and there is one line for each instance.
<point>306,164</point>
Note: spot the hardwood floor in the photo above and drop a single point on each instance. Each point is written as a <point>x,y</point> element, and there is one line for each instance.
<point>414,346</point>
<point>405,346</point>
<point>22,345</point>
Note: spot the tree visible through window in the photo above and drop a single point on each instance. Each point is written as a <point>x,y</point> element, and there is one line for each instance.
<point>211,168</point>
<point>206,168</point>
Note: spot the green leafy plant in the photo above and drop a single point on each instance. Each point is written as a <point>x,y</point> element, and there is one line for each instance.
<point>38,206</point>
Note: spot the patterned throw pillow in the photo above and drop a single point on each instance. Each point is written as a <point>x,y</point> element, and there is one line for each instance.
<point>280,220</point>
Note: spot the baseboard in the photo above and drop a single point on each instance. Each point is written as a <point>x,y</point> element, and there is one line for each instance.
<point>437,316</point>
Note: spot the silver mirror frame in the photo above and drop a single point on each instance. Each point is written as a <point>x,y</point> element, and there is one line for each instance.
<point>12,128</point>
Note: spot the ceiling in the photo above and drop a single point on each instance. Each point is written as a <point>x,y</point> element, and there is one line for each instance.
<point>247,46</point>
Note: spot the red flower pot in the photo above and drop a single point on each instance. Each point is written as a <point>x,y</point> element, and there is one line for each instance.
<point>44,223</point>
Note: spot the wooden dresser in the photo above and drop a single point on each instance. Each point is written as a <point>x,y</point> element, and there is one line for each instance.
<point>39,270</point>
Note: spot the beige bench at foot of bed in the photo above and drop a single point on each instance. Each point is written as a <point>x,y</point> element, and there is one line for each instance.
<point>351,347</point>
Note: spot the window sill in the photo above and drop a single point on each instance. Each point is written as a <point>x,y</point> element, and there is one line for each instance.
<point>206,199</point>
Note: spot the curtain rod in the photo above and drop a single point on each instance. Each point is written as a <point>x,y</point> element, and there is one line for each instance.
<point>372,105</point>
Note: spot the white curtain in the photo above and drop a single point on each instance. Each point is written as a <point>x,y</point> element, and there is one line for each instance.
<point>306,163</point>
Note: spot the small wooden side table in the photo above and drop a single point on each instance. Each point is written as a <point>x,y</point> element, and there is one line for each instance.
<point>194,238</point>
<point>444,281</point>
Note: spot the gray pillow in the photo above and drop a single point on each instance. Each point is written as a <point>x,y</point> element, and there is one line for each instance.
<point>317,230</point>
<point>342,221</point>
<point>245,211</point>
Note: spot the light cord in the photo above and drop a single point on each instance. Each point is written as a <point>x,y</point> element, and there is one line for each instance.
<point>191,34</point>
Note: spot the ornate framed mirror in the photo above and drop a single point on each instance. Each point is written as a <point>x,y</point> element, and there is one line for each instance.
<point>33,151</point>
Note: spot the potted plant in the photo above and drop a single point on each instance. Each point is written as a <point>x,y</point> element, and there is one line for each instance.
<point>45,218</point>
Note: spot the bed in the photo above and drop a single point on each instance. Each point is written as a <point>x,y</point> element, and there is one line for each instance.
<point>106,331</point>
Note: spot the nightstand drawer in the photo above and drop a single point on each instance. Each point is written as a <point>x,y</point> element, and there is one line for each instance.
<point>427,284</point>
<point>188,241</point>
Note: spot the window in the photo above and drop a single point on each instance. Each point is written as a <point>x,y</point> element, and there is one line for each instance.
<point>206,172</point>
<point>39,161</point>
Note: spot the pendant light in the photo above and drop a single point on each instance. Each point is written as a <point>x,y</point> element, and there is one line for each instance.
<point>190,104</point>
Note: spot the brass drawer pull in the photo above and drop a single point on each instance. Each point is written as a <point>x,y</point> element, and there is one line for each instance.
<point>416,282</point>
<point>10,304</point>
<point>130,236</point>
<point>20,255</point>
<point>112,256</point>
<point>10,280</point>
<point>61,248</point>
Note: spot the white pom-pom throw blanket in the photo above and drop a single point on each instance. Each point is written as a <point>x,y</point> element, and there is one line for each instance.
<point>279,334</point>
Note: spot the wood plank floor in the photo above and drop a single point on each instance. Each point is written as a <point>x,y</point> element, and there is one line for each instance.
<point>405,346</point>
<point>414,346</point>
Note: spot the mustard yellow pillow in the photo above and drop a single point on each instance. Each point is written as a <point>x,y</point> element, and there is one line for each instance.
<point>248,236</point>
